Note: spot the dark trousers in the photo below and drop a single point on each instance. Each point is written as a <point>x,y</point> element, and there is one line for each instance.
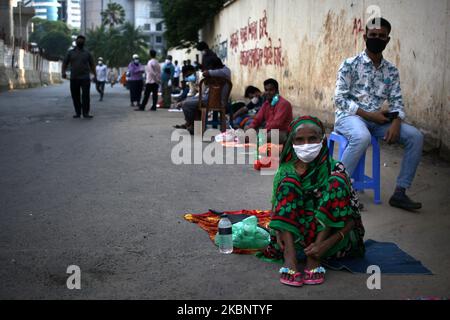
<point>153,89</point>
<point>100,86</point>
<point>176,82</point>
<point>83,103</point>
<point>135,90</point>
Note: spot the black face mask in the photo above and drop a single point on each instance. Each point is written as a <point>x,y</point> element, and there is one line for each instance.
<point>80,45</point>
<point>376,45</point>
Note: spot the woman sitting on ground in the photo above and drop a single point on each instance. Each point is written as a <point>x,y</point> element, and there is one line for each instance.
<point>315,209</point>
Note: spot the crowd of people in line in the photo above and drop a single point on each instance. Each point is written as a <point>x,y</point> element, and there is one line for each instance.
<point>315,210</point>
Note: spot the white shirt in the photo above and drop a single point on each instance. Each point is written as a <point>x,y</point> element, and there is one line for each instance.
<point>177,71</point>
<point>101,72</point>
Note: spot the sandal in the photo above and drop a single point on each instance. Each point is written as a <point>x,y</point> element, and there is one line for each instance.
<point>290,277</point>
<point>180,126</point>
<point>314,276</point>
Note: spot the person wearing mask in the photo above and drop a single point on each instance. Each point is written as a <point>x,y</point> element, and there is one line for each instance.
<point>190,105</point>
<point>176,75</point>
<point>363,85</point>
<point>113,75</point>
<point>208,56</point>
<point>135,80</point>
<point>152,81</point>
<point>82,64</point>
<point>244,114</point>
<point>100,80</point>
<point>167,73</point>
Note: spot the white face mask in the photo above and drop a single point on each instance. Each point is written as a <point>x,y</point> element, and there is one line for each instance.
<point>255,100</point>
<point>167,61</point>
<point>307,152</point>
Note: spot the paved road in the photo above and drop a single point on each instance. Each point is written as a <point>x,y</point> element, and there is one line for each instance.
<point>103,194</point>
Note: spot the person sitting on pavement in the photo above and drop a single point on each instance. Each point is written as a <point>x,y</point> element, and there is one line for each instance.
<point>190,105</point>
<point>314,207</point>
<point>244,115</point>
<point>363,84</point>
<point>275,113</point>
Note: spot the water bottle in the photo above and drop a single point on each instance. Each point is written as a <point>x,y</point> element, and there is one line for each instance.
<point>225,235</point>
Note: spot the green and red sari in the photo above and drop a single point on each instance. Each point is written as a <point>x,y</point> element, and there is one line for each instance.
<point>322,197</point>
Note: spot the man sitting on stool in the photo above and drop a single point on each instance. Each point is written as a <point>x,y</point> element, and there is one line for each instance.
<point>364,83</point>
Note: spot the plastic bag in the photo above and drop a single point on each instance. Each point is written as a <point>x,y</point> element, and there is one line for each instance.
<point>247,234</point>
<point>227,136</point>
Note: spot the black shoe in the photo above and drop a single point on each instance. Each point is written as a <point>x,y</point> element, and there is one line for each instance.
<point>139,109</point>
<point>152,109</point>
<point>88,116</point>
<point>76,116</point>
<point>402,201</point>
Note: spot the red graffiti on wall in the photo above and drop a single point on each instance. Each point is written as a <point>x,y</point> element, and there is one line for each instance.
<point>268,53</point>
<point>252,58</point>
<point>256,57</point>
<point>278,55</point>
<point>244,34</point>
<point>263,26</point>
<point>253,29</point>
<point>357,27</point>
<point>234,41</point>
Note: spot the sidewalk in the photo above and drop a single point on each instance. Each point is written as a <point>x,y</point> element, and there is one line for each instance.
<point>104,195</point>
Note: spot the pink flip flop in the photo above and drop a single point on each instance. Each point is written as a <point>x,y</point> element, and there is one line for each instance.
<point>314,276</point>
<point>295,279</point>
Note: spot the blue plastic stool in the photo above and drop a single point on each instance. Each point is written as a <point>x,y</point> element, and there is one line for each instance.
<point>361,181</point>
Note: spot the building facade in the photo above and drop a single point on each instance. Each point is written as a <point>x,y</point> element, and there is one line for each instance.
<point>45,9</point>
<point>15,20</point>
<point>145,14</point>
<point>70,12</point>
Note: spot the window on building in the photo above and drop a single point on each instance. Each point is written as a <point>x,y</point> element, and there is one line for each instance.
<point>147,26</point>
<point>159,26</point>
<point>158,39</point>
<point>156,14</point>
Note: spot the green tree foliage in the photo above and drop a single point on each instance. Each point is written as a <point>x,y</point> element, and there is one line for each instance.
<point>53,36</point>
<point>117,45</point>
<point>184,19</point>
<point>56,44</point>
<point>113,15</point>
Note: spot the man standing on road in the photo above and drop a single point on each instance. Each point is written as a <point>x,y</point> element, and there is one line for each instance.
<point>363,85</point>
<point>167,73</point>
<point>152,81</point>
<point>81,63</point>
<point>102,72</point>
<point>176,75</point>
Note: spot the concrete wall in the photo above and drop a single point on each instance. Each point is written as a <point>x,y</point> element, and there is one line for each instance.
<point>20,69</point>
<point>301,43</point>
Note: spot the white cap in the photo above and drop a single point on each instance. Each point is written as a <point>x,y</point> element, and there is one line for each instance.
<point>100,59</point>
<point>135,56</point>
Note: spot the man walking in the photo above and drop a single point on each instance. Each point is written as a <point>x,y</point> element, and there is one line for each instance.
<point>102,72</point>
<point>153,79</point>
<point>176,75</point>
<point>81,63</point>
